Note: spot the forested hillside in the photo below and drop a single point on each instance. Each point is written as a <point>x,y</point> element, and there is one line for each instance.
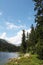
<point>5,46</point>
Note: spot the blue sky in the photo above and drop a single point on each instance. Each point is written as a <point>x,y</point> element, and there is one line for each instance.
<point>15,15</point>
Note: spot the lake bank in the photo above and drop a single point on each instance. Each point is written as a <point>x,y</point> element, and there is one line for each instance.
<point>25,60</point>
<point>4,56</point>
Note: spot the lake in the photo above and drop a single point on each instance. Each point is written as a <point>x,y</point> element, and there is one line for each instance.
<point>4,56</point>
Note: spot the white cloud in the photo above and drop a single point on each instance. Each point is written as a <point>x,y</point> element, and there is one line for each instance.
<point>10,25</point>
<point>29,30</point>
<point>14,39</point>
<point>3,35</point>
<point>13,26</point>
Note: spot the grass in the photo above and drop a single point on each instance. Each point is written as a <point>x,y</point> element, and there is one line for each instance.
<point>31,60</point>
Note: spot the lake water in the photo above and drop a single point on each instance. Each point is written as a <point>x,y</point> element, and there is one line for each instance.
<point>4,56</point>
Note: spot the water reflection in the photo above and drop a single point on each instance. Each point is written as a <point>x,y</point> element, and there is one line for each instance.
<point>4,56</point>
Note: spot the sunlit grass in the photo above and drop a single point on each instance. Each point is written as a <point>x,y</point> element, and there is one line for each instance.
<point>31,60</point>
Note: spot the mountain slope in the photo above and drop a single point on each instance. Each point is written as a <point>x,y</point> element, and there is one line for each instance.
<point>5,46</point>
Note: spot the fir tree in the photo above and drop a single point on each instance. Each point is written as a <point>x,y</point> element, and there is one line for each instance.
<point>32,39</point>
<point>39,26</point>
<point>23,45</point>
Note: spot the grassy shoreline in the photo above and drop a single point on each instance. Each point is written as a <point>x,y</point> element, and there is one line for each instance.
<point>25,60</point>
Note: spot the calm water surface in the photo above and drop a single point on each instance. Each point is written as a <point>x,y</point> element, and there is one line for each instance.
<point>4,56</point>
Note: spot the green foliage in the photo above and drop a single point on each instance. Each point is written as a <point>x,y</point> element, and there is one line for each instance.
<point>32,60</point>
<point>23,45</point>
<point>27,43</point>
<point>39,48</point>
<point>39,27</point>
<point>32,39</point>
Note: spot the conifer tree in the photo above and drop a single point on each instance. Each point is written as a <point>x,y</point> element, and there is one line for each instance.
<point>32,39</point>
<point>23,45</point>
<point>27,42</point>
<point>39,26</point>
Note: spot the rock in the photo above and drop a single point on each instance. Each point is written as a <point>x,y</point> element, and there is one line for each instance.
<point>27,55</point>
<point>19,58</point>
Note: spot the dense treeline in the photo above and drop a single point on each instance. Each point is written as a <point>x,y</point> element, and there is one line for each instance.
<point>34,41</point>
<point>8,47</point>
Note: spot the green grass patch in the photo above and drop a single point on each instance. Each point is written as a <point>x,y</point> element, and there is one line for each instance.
<point>32,60</point>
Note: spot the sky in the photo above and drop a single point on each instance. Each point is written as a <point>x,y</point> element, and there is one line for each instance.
<point>15,15</point>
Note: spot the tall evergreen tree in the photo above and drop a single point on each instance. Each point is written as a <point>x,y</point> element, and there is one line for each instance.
<point>27,42</point>
<point>32,39</point>
<point>23,45</point>
<point>39,26</point>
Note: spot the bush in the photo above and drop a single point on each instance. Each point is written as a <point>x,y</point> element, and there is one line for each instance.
<point>39,49</point>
